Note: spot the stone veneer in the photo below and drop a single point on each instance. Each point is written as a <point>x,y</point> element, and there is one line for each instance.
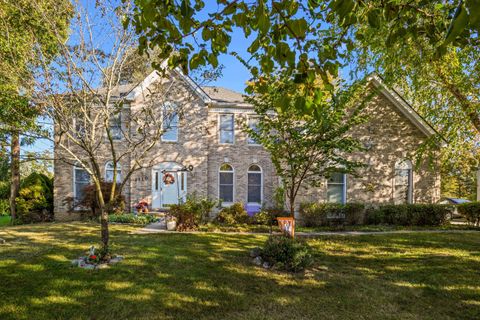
<point>391,135</point>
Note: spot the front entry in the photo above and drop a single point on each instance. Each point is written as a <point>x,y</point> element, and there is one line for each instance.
<point>169,185</point>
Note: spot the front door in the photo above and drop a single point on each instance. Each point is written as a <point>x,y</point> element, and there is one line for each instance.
<point>168,186</point>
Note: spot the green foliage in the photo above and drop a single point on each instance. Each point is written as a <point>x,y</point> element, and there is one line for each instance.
<point>471,212</point>
<point>235,214</point>
<point>268,216</point>
<point>410,214</point>
<point>192,213</point>
<point>4,207</point>
<point>131,218</point>
<point>4,189</point>
<point>326,214</point>
<point>287,254</point>
<point>35,200</point>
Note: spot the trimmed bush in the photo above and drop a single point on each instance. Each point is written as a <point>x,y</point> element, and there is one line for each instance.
<point>326,214</point>
<point>287,254</point>
<point>268,216</point>
<point>471,212</point>
<point>234,214</point>
<point>35,200</point>
<point>131,218</point>
<point>192,213</point>
<point>4,207</point>
<point>409,214</point>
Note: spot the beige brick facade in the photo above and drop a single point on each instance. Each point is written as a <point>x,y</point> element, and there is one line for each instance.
<point>390,135</point>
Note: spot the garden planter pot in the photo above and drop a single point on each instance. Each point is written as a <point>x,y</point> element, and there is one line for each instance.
<point>171,225</point>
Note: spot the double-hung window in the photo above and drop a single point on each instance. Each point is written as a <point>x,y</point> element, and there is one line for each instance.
<point>337,188</point>
<point>254,193</point>
<point>226,128</point>
<point>81,180</point>
<point>403,189</point>
<point>109,172</point>
<point>115,124</point>
<point>253,125</point>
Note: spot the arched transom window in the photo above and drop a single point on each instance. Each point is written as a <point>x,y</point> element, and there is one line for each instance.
<point>109,172</point>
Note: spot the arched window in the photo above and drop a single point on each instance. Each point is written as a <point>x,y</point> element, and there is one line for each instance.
<point>170,122</point>
<point>226,183</point>
<point>403,184</point>
<point>255,183</point>
<point>81,179</point>
<point>337,188</point>
<point>109,172</point>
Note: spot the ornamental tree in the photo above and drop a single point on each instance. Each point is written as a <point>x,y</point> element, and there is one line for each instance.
<point>306,148</point>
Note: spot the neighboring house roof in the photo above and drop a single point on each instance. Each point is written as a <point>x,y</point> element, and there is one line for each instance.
<point>455,200</point>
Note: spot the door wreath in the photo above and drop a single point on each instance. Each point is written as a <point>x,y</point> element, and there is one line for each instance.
<point>168,178</point>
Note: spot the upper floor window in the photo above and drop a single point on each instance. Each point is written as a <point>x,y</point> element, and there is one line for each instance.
<point>115,124</point>
<point>226,183</point>
<point>170,122</point>
<point>337,188</point>
<point>254,193</point>
<point>226,128</point>
<point>81,179</point>
<point>403,184</point>
<point>79,127</point>
<point>253,125</point>
<point>109,172</point>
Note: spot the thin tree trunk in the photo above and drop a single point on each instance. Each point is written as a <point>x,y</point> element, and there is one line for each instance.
<point>103,221</point>
<point>15,171</point>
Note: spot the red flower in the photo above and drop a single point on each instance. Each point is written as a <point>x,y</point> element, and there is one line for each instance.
<point>93,257</point>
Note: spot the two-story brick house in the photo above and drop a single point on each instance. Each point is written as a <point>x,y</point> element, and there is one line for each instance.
<point>223,163</point>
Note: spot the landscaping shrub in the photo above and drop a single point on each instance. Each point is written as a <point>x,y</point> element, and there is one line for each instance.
<point>191,213</point>
<point>409,214</point>
<point>268,216</point>
<point>131,218</point>
<point>325,214</point>
<point>234,214</point>
<point>35,200</point>
<point>289,254</point>
<point>471,212</point>
<point>90,200</point>
<point>4,207</point>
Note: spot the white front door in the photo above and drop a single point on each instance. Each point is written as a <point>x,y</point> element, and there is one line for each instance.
<point>166,194</point>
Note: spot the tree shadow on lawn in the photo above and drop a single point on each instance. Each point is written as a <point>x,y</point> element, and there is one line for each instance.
<point>210,276</point>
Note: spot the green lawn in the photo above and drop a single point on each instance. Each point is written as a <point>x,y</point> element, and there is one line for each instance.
<point>4,220</point>
<point>210,276</point>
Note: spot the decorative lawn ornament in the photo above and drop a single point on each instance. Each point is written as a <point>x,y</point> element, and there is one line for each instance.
<point>287,226</point>
<point>142,206</point>
<point>168,178</point>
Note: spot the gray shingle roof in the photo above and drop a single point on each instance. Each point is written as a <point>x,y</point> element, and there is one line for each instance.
<point>224,95</point>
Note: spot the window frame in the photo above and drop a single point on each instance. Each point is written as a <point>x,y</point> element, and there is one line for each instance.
<point>410,181</point>
<point>219,128</point>
<point>344,189</point>
<point>227,203</point>
<point>261,182</point>
<point>74,187</point>
<point>253,144</point>
<point>120,126</point>
<point>172,106</point>
<point>119,171</point>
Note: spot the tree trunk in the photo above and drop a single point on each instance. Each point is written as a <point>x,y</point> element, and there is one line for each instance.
<point>103,221</point>
<point>292,203</point>
<point>15,170</point>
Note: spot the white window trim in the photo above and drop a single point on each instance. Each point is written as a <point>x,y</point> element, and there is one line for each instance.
<point>411,185</point>
<point>261,183</point>
<point>248,143</point>
<point>344,189</point>
<point>224,203</point>
<point>174,108</point>
<point>119,168</point>
<point>121,128</point>
<point>220,132</point>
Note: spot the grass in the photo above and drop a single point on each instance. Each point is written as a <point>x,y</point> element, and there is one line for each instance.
<point>210,276</point>
<point>4,220</point>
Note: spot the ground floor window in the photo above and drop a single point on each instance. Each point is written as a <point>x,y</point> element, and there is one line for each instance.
<point>81,179</point>
<point>337,188</point>
<point>403,182</point>
<point>254,194</point>
<point>226,183</point>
